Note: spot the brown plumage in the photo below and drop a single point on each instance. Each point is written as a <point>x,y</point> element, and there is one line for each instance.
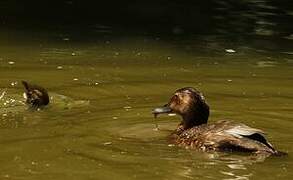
<point>36,96</point>
<point>194,132</point>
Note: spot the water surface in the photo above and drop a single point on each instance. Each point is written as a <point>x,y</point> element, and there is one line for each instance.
<point>99,124</point>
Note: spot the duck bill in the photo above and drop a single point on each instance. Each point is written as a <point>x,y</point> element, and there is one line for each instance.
<point>162,110</point>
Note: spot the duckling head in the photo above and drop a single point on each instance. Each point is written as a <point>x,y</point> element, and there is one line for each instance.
<point>35,96</point>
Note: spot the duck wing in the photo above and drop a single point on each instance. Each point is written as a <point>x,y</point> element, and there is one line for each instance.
<point>244,131</point>
<point>238,136</point>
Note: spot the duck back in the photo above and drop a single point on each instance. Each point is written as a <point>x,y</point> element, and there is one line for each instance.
<point>224,136</point>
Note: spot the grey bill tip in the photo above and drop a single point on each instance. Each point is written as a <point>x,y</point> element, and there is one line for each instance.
<point>161,110</point>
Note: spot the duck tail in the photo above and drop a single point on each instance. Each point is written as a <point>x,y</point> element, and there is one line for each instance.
<point>276,152</point>
<point>280,153</point>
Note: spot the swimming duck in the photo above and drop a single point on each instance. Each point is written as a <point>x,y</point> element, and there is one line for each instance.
<point>194,132</point>
<point>35,96</point>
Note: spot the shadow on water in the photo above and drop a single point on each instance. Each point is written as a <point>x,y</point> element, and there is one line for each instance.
<point>211,27</point>
<point>93,20</point>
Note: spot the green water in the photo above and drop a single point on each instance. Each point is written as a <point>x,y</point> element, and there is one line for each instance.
<point>99,124</point>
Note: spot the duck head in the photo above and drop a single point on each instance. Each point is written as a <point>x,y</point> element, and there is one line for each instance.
<point>189,104</point>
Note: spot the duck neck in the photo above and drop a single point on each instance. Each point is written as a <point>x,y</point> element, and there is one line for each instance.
<point>196,116</point>
<point>192,121</point>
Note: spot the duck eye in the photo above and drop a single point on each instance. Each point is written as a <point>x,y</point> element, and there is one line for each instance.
<point>176,99</point>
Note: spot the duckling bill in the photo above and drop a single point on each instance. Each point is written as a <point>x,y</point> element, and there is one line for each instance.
<point>194,132</point>
<point>36,96</point>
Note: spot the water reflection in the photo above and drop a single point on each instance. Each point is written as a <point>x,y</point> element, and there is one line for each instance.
<point>231,166</point>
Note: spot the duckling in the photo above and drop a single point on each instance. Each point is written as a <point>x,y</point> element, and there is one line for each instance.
<point>35,96</point>
<point>193,132</point>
